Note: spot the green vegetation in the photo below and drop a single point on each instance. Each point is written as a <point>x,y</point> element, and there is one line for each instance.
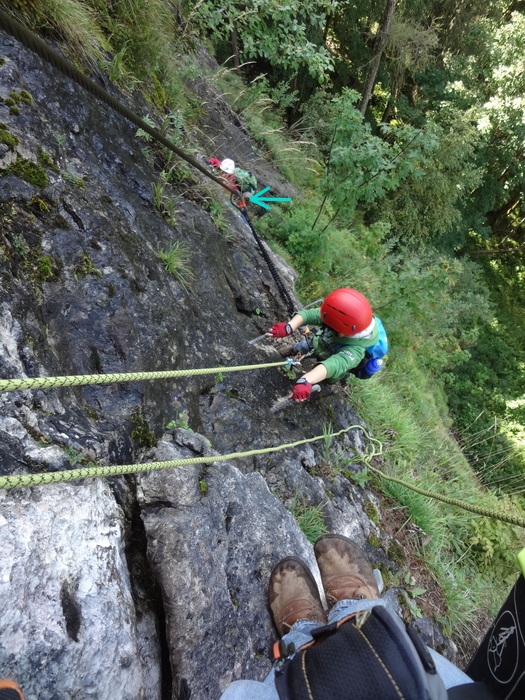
<point>77,458</point>
<point>396,553</point>
<point>73,179</point>
<point>91,413</point>
<point>39,204</point>
<point>372,512</point>
<point>406,417</point>
<point>309,518</point>
<point>46,160</point>
<point>46,268</point>
<point>8,138</point>
<point>176,261</point>
<point>20,246</point>
<point>31,172</point>
<point>84,267</point>
<point>140,430</point>
<point>218,216</point>
<point>22,96</point>
<point>182,418</point>
<point>373,540</point>
<point>180,421</point>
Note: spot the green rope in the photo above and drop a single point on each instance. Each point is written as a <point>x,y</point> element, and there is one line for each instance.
<point>46,478</point>
<point>43,479</point>
<point>84,379</point>
<point>478,510</point>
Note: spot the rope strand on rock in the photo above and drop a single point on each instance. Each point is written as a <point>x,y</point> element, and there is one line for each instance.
<point>47,478</point>
<point>290,306</point>
<point>85,379</point>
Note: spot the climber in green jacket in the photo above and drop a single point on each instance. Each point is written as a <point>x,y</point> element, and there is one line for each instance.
<point>348,328</point>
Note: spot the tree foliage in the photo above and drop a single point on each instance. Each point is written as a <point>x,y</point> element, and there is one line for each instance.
<point>289,36</point>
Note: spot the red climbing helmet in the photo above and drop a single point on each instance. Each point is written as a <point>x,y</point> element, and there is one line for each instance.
<point>346,311</point>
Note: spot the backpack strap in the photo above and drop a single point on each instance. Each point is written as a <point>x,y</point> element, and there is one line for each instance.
<point>368,656</point>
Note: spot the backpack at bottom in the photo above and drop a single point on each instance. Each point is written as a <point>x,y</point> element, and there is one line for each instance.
<point>374,659</point>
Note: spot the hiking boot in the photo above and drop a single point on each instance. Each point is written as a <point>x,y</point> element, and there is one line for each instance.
<point>293,595</point>
<point>10,690</point>
<point>345,570</point>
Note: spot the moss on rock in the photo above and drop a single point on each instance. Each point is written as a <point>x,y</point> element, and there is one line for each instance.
<point>22,96</point>
<point>140,431</point>
<point>46,160</point>
<point>396,553</point>
<point>373,540</point>
<point>85,267</point>
<point>31,172</point>
<point>372,512</point>
<point>8,138</point>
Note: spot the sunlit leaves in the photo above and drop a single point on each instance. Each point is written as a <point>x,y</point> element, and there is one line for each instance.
<point>277,31</point>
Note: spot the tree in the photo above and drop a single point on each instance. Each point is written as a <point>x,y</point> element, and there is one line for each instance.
<point>378,48</point>
<point>281,34</point>
<point>362,167</point>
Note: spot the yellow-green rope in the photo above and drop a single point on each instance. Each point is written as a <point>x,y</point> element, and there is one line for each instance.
<point>83,379</point>
<point>46,478</point>
<point>42,479</point>
<point>478,510</point>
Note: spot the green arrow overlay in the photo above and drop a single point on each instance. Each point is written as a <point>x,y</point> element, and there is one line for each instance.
<point>260,200</point>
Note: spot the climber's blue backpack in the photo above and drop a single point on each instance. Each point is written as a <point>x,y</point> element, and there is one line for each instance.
<point>380,349</point>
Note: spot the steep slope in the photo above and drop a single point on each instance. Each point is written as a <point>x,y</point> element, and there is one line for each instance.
<point>120,588</point>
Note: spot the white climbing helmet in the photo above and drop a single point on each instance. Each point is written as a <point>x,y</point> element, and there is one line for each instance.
<point>228,166</point>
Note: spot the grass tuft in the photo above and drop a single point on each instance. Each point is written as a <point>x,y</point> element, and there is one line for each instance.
<point>176,262</point>
<point>309,518</point>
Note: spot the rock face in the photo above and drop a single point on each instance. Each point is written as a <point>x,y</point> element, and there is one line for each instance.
<point>65,586</point>
<point>122,588</point>
<point>213,537</point>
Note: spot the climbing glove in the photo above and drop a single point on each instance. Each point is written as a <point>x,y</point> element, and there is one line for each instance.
<point>281,330</point>
<point>301,390</point>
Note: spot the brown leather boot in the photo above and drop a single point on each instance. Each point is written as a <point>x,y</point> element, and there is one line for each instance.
<point>345,570</point>
<point>10,690</point>
<point>293,595</point>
